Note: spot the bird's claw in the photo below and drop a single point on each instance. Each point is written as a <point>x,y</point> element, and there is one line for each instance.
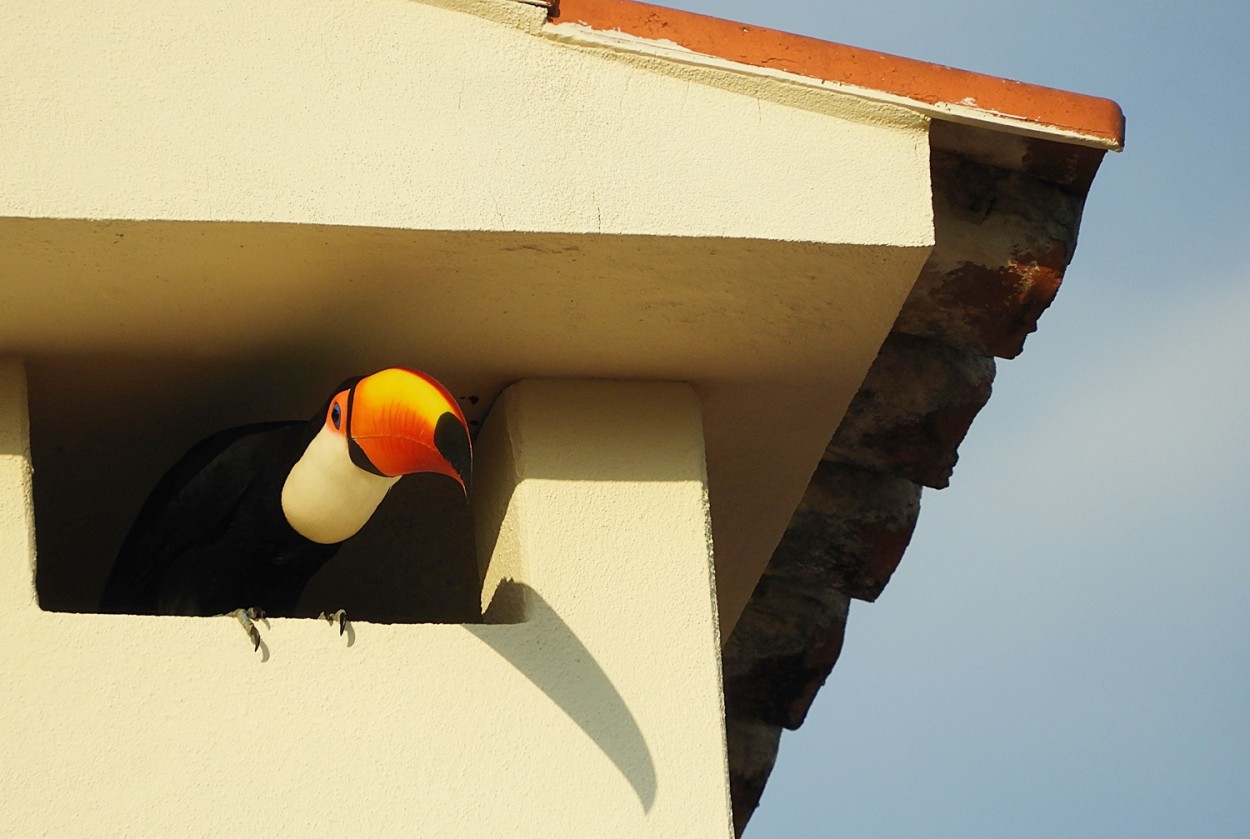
<point>247,619</point>
<point>340,616</point>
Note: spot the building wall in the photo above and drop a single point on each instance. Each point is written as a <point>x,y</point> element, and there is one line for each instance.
<point>207,208</point>
<point>394,113</point>
<point>597,715</point>
<point>463,192</point>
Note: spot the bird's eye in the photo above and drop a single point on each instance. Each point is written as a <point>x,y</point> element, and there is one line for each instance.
<point>336,415</point>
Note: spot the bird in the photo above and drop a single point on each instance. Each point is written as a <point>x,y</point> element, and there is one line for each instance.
<point>241,523</point>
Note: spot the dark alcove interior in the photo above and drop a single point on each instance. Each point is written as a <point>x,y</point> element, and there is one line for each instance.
<point>103,430</point>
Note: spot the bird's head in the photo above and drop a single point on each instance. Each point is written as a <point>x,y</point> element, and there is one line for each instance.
<point>374,430</point>
<point>400,421</point>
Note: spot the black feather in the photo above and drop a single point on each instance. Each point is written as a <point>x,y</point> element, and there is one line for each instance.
<point>212,538</point>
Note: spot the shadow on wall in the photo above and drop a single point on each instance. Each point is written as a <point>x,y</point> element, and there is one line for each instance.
<point>550,655</point>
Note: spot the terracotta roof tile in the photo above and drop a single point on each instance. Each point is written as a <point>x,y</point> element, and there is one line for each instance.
<point>929,84</point>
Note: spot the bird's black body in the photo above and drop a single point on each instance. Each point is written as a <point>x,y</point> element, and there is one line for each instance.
<point>245,519</point>
<point>211,538</point>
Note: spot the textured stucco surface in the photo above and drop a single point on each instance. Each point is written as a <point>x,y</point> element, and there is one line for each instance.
<point>196,200</point>
<point>211,211</point>
<point>600,715</point>
<point>146,336</point>
<point>301,191</point>
<point>398,114</point>
<point>17,525</point>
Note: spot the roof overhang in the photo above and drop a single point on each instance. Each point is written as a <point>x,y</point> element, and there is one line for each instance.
<point>240,206</point>
<point>802,63</point>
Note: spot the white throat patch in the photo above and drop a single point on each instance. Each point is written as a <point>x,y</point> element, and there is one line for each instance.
<point>327,498</point>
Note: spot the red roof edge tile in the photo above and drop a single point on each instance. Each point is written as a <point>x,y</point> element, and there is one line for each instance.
<point>931,84</point>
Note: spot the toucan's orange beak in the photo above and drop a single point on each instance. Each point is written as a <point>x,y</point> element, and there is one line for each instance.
<point>401,421</point>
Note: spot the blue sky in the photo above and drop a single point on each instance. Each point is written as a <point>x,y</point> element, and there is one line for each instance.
<point>1065,650</point>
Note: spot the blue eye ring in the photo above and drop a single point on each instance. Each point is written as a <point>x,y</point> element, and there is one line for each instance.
<point>336,415</point>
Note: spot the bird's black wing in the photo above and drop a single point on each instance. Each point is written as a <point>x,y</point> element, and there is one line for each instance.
<point>191,501</point>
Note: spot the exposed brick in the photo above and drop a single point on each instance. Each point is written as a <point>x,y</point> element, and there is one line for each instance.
<point>1003,242</point>
<point>752,753</point>
<point>780,655</point>
<point>913,410</point>
<point>1006,213</point>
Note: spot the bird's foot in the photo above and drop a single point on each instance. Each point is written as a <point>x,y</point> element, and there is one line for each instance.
<point>340,616</point>
<point>247,619</point>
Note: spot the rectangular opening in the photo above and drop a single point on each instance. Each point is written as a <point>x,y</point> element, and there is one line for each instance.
<point>104,429</point>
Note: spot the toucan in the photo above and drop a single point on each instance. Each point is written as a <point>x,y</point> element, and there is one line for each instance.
<point>246,517</point>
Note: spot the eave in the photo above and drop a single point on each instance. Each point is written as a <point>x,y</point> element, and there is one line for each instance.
<point>945,93</point>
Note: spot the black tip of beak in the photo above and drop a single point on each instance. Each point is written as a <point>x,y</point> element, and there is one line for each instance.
<point>451,439</point>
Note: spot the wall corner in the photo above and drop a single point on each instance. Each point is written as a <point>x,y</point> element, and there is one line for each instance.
<point>17,512</point>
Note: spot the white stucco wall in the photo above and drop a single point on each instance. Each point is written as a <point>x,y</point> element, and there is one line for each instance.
<point>598,716</point>
<point>395,113</point>
<point>213,206</point>
<point>579,211</point>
